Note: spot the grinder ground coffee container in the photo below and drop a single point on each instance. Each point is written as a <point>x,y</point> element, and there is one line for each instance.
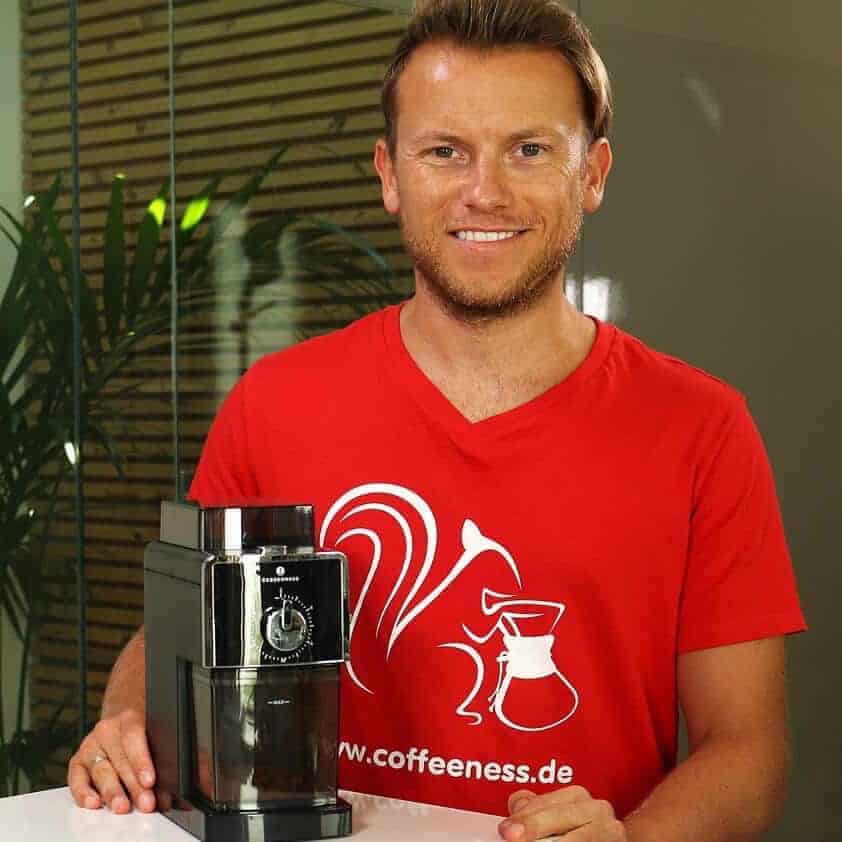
<point>246,630</point>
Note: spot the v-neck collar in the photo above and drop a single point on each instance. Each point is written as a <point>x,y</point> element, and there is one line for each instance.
<point>432,403</point>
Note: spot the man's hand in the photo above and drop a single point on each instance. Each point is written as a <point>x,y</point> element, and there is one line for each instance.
<point>568,812</point>
<point>113,761</point>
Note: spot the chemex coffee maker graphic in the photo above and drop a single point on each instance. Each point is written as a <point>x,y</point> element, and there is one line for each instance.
<point>246,632</point>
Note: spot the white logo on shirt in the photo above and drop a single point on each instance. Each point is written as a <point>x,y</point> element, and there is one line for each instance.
<point>523,658</point>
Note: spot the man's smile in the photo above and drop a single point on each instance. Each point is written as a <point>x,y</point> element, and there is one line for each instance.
<point>484,240</point>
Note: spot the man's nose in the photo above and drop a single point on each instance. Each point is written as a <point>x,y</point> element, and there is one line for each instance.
<point>488,185</point>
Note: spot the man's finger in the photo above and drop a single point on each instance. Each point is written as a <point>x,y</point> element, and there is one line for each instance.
<point>164,799</point>
<point>110,789</point>
<point>141,797</point>
<point>520,826</point>
<point>555,818</point>
<point>556,798</point>
<point>79,781</point>
<point>519,799</point>
<point>136,746</point>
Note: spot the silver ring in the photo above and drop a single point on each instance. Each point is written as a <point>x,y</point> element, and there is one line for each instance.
<point>99,756</point>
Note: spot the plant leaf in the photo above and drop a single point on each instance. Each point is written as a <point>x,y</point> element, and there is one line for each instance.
<point>183,236</point>
<point>360,242</point>
<point>114,261</point>
<point>29,749</point>
<point>13,305</point>
<point>114,455</point>
<point>196,264</point>
<point>89,320</point>
<point>11,608</point>
<point>148,239</point>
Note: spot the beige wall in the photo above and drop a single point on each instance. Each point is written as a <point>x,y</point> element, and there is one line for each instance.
<point>808,30</point>
<point>10,152</point>
<point>721,225</point>
<point>10,198</point>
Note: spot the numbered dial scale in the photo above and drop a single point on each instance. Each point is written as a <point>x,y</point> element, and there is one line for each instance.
<point>274,610</point>
<point>287,629</point>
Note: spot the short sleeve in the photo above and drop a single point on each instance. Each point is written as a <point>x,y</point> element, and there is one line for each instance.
<point>224,474</point>
<point>739,583</point>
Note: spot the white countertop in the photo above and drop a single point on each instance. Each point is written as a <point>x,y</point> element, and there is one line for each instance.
<point>52,816</point>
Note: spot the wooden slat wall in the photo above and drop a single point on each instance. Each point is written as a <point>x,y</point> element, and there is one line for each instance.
<point>250,76</point>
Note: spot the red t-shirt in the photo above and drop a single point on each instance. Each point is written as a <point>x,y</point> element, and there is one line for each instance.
<point>520,586</point>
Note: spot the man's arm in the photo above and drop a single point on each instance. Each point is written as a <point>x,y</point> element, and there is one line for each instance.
<point>113,761</point>
<point>734,782</point>
<point>732,785</point>
<point>126,688</point>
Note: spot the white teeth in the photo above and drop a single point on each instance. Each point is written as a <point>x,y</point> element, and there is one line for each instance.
<point>485,236</point>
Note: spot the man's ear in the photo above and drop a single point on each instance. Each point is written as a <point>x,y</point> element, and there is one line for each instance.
<point>388,180</point>
<point>597,166</point>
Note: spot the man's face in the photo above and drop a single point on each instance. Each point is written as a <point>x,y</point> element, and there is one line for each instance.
<point>490,146</point>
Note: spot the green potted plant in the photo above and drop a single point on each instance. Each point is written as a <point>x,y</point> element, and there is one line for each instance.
<point>131,311</point>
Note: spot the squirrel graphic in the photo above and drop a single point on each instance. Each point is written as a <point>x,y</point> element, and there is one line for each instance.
<point>523,658</point>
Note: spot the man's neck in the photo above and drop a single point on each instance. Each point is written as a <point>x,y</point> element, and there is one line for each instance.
<point>491,366</point>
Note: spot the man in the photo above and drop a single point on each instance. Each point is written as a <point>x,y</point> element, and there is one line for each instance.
<point>555,533</point>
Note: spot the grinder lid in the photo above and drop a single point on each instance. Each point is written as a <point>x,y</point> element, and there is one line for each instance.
<point>233,528</point>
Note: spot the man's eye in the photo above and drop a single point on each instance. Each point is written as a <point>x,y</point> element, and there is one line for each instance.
<point>444,151</point>
<point>530,150</point>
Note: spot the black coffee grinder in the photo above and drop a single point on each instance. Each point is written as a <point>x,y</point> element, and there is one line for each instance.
<point>246,631</point>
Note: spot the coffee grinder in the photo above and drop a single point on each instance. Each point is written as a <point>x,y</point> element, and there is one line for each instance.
<point>246,630</point>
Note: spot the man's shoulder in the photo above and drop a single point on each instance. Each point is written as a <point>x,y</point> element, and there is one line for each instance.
<point>657,376</point>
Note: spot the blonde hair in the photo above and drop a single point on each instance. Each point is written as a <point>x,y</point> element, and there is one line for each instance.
<point>486,24</point>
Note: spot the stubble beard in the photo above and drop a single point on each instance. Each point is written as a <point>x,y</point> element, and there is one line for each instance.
<point>472,302</point>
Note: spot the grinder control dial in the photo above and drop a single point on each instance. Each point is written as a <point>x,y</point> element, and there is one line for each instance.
<point>285,627</point>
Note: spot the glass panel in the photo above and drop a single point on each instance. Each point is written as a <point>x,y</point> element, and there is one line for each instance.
<point>721,229</point>
<point>40,454</point>
<point>123,173</point>
<point>125,447</point>
<point>283,234</point>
